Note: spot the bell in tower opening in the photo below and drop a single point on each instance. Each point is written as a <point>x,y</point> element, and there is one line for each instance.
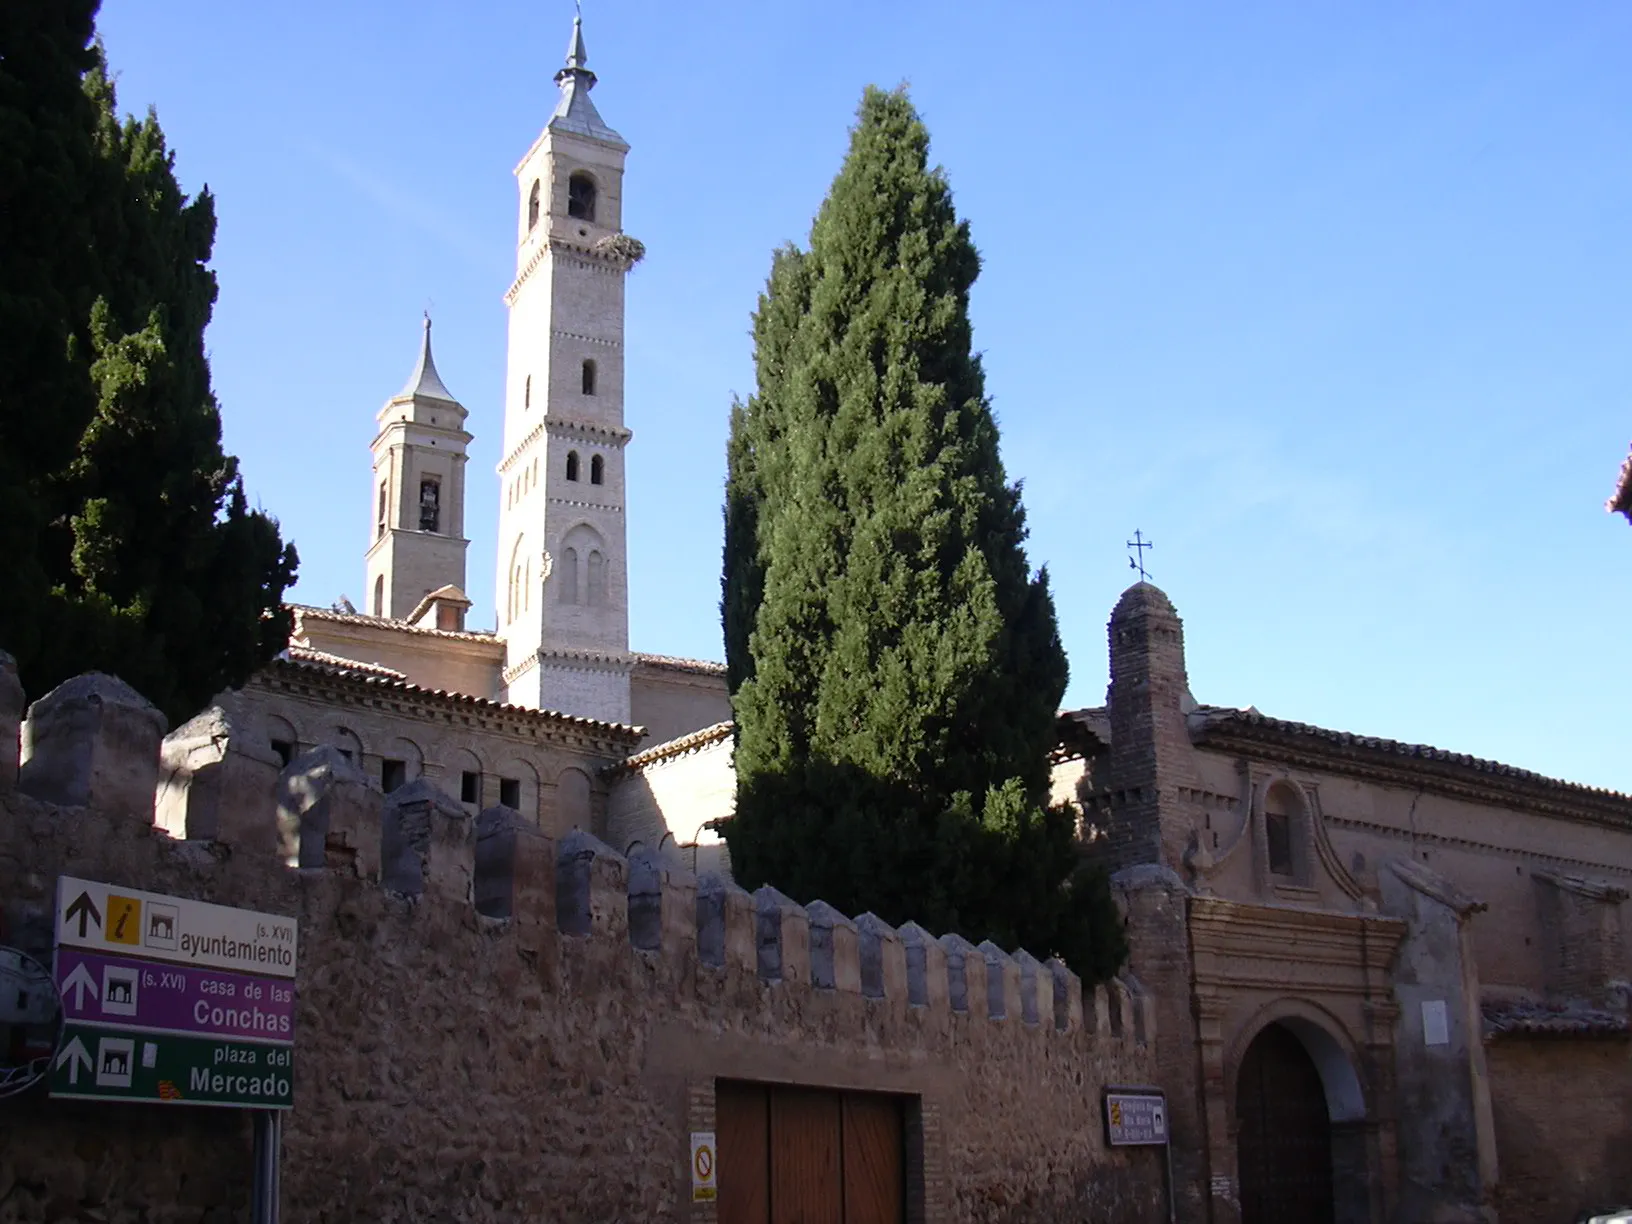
<point>430,505</point>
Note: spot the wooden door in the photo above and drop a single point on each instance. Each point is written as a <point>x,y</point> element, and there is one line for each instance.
<point>874,1179</point>
<point>742,1126</point>
<point>806,1175</point>
<point>808,1156</point>
<point>1284,1135</point>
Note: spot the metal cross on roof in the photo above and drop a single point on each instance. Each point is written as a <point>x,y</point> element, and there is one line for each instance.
<point>1139,544</point>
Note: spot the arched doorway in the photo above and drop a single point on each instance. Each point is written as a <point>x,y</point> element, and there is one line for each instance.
<point>1283,1133</point>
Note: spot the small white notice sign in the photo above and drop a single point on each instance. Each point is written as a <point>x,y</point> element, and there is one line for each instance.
<point>1436,1025</point>
<point>704,1187</point>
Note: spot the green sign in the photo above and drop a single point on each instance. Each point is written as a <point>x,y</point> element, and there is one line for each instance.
<point>107,1064</point>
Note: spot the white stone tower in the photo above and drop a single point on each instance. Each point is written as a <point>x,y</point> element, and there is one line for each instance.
<point>562,593</point>
<point>417,539</point>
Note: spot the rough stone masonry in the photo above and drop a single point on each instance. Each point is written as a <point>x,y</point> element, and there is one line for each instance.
<point>495,1026</point>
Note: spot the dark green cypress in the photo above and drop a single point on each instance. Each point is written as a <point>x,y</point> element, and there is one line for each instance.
<point>895,663</point>
<point>144,558</point>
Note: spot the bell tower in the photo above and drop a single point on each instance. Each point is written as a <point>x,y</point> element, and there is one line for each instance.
<point>417,539</point>
<point>562,590</point>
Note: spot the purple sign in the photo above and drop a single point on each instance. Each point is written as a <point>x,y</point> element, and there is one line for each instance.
<point>115,990</point>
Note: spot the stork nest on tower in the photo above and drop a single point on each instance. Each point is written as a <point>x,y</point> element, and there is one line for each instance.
<point>621,247</point>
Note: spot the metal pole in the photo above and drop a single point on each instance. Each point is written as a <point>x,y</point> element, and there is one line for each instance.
<point>264,1207</point>
<point>1172,1205</point>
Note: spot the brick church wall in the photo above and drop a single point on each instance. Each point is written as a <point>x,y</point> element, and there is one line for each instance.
<point>495,1025</point>
<point>1563,1115</point>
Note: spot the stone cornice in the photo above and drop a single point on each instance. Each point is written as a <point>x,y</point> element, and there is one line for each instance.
<point>1413,767</point>
<point>1428,837</point>
<point>585,256</point>
<point>569,660</point>
<point>583,431</point>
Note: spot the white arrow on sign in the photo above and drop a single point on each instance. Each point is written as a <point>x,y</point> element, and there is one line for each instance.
<point>79,981</point>
<point>71,1054</point>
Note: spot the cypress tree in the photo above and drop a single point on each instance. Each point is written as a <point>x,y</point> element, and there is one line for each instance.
<point>140,553</point>
<point>895,663</point>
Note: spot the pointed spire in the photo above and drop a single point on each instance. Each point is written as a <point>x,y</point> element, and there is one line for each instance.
<point>577,58</point>
<point>425,381</point>
<point>575,112</point>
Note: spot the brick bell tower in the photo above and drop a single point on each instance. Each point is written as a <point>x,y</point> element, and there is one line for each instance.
<point>1147,702</point>
<point>563,594</point>
<point>417,543</point>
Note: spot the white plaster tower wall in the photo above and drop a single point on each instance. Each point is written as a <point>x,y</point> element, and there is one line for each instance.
<point>562,588</point>
<point>417,535</point>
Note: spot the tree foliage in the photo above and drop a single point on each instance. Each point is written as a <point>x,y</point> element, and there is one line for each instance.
<point>895,664</point>
<point>129,540</point>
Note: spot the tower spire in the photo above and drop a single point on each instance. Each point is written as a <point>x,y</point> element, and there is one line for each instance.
<point>575,112</point>
<point>425,381</point>
<point>577,67</point>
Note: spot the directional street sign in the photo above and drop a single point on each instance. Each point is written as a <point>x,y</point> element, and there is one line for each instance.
<point>105,1064</point>
<point>1135,1118</point>
<point>173,1001</point>
<point>136,994</point>
<point>126,921</point>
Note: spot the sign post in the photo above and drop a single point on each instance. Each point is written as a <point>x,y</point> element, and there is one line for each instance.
<point>1137,1117</point>
<point>177,1002</point>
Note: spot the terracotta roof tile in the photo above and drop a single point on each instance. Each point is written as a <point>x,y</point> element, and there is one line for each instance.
<point>338,663</point>
<point>307,612</point>
<point>1517,1018</point>
<point>699,667</point>
<point>1206,720</point>
<point>695,741</point>
<point>620,731</point>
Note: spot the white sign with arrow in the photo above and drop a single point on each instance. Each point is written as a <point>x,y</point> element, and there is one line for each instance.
<point>127,921</point>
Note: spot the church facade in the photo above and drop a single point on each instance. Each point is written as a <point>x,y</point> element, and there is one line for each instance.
<point>1390,983</point>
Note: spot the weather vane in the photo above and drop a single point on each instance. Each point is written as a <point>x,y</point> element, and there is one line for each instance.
<point>1139,544</point>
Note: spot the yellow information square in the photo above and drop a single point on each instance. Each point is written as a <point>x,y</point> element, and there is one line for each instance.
<point>124,920</point>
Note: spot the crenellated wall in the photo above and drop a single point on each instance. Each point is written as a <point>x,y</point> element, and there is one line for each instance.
<point>495,1025</point>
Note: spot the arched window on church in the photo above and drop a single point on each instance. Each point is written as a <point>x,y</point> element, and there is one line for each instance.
<point>379,596</point>
<point>569,576</point>
<point>572,465</point>
<point>532,207</point>
<point>588,378</point>
<point>526,585</point>
<point>1282,816</point>
<point>527,392</point>
<point>597,580</point>
<point>512,603</point>
<point>581,196</point>
<point>597,470</point>
<point>380,515</point>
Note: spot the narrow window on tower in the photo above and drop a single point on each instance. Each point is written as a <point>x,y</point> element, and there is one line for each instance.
<point>380,514</point>
<point>379,596</point>
<point>532,207</point>
<point>589,378</point>
<point>430,504</point>
<point>527,392</point>
<point>572,465</point>
<point>597,470</point>
<point>581,196</point>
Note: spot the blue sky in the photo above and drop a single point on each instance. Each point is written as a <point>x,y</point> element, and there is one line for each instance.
<point>1329,301</point>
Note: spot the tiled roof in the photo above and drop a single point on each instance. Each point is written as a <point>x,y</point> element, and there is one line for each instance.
<point>338,663</point>
<point>695,741</point>
<point>1517,1018</point>
<point>1207,721</point>
<point>307,612</point>
<point>1621,501</point>
<point>618,731</point>
<point>697,667</point>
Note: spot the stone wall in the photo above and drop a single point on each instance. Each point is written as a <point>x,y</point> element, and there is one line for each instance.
<point>1563,1117</point>
<point>495,1025</point>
